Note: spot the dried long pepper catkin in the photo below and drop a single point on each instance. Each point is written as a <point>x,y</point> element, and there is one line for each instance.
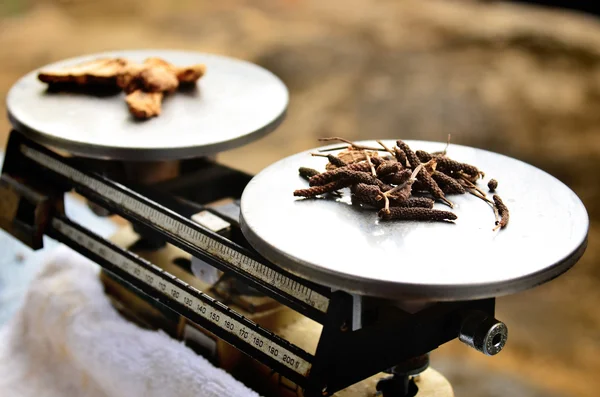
<point>493,185</point>
<point>397,178</point>
<point>367,194</point>
<point>319,190</point>
<point>416,214</point>
<point>447,165</point>
<point>426,180</point>
<point>334,161</point>
<point>361,177</point>
<point>413,160</point>
<point>423,155</point>
<point>432,187</point>
<point>328,176</point>
<point>502,211</point>
<point>388,167</point>
<point>401,157</point>
<point>448,184</point>
<point>390,183</point>
<point>371,195</point>
<point>413,202</point>
<point>307,173</point>
<point>338,162</point>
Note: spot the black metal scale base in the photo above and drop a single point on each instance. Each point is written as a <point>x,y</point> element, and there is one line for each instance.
<point>35,179</point>
<point>368,325</point>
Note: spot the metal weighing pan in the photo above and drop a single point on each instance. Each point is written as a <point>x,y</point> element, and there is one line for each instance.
<point>343,246</point>
<point>234,103</point>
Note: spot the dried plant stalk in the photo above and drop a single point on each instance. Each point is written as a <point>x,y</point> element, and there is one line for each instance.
<point>352,144</point>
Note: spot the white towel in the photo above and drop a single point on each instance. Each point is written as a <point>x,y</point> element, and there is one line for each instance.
<point>67,340</point>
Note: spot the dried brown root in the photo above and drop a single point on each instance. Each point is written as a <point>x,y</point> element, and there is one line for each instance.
<point>102,71</point>
<point>416,214</point>
<point>320,190</point>
<point>307,173</point>
<point>502,211</point>
<point>493,185</point>
<point>144,105</point>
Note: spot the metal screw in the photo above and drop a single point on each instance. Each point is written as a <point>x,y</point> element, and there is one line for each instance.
<point>484,333</point>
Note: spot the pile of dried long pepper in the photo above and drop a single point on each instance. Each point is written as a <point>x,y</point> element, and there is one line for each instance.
<point>403,184</point>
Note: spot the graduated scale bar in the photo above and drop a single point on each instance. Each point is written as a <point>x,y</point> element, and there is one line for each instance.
<point>299,294</point>
<point>249,337</point>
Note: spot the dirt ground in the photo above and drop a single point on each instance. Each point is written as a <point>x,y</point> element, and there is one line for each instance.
<point>513,79</point>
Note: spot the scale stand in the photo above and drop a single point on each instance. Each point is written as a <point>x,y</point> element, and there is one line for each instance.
<point>375,318</point>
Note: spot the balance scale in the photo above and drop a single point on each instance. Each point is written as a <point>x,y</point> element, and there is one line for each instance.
<point>291,296</point>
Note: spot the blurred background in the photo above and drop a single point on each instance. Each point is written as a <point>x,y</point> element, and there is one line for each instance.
<point>512,78</point>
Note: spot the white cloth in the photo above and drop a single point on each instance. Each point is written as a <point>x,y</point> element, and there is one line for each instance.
<point>67,340</point>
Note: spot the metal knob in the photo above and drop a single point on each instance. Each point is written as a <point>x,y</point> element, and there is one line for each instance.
<point>484,333</point>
